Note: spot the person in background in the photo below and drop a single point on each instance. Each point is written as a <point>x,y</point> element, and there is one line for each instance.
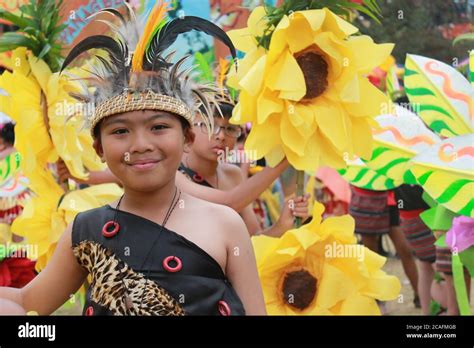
<point>375,214</point>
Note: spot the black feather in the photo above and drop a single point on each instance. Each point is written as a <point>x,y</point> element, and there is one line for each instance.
<point>108,67</point>
<point>165,37</point>
<point>174,73</point>
<point>117,51</point>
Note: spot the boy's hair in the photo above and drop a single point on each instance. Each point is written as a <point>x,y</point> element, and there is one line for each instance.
<point>226,110</point>
<point>7,133</point>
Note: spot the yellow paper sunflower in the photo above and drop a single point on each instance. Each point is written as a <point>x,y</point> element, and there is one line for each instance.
<point>23,105</point>
<point>319,269</point>
<point>49,126</point>
<point>42,109</point>
<point>307,95</point>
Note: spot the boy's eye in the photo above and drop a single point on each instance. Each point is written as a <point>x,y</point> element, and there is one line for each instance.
<point>120,131</point>
<point>159,126</point>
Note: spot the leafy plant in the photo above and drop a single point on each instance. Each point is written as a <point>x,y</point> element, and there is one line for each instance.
<point>38,30</point>
<point>464,37</point>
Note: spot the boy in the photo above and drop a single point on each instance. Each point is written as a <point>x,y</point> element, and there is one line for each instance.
<point>156,251</point>
<point>154,142</point>
<point>207,165</point>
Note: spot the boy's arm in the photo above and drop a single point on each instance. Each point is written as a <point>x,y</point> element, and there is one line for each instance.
<point>247,213</point>
<point>251,220</point>
<point>95,177</point>
<point>53,286</point>
<point>293,207</point>
<point>241,267</point>
<point>240,196</point>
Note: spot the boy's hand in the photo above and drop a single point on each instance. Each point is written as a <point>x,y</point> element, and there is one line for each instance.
<point>64,174</point>
<point>8,307</point>
<point>63,171</point>
<point>294,207</point>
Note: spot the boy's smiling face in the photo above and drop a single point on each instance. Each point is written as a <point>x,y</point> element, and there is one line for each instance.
<point>143,148</point>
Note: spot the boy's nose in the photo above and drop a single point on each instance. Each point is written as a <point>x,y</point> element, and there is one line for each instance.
<point>141,143</point>
<point>220,133</point>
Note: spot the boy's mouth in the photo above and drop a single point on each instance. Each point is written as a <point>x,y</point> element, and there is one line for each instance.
<point>218,149</point>
<point>144,164</point>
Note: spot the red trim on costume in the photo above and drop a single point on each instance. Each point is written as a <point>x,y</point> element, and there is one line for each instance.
<point>367,192</point>
<point>391,199</point>
<point>410,214</point>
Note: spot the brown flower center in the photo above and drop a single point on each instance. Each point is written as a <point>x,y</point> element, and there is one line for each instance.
<point>315,71</point>
<point>299,288</point>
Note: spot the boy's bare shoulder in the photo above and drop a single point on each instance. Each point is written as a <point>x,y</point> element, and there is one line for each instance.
<point>215,212</point>
<point>232,171</point>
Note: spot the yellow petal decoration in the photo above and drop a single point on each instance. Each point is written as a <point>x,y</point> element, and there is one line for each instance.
<point>5,233</point>
<point>39,102</point>
<point>313,124</point>
<point>43,221</point>
<point>319,269</point>
<point>49,127</point>
<point>38,222</point>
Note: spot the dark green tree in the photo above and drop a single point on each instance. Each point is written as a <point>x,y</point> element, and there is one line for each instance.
<point>414,26</point>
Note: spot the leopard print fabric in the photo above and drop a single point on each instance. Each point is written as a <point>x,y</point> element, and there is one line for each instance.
<point>108,290</point>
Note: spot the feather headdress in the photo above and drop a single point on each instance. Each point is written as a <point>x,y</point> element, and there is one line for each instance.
<point>136,75</point>
<point>217,75</point>
<point>224,95</point>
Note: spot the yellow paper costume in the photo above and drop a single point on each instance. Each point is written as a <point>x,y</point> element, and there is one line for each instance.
<point>49,126</point>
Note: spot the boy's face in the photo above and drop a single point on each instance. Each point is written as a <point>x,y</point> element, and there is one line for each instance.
<point>143,148</point>
<point>211,149</point>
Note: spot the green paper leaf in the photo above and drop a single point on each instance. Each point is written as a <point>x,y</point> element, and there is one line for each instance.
<point>438,218</point>
<point>467,259</point>
<point>441,242</point>
<point>460,286</point>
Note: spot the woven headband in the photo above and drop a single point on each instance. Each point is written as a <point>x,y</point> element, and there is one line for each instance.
<point>148,100</point>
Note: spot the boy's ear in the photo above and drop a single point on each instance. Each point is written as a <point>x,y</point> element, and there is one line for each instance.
<point>97,144</point>
<point>189,137</point>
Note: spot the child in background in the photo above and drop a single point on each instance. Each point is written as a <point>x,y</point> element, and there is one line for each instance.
<point>419,237</point>
<point>16,268</point>
<point>375,214</point>
<point>207,164</point>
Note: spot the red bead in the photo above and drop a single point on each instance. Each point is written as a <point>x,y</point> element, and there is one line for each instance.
<point>109,234</point>
<point>198,178</point>
<point>176,268</point>
<point>89,311</point>
<point>223,308</point>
